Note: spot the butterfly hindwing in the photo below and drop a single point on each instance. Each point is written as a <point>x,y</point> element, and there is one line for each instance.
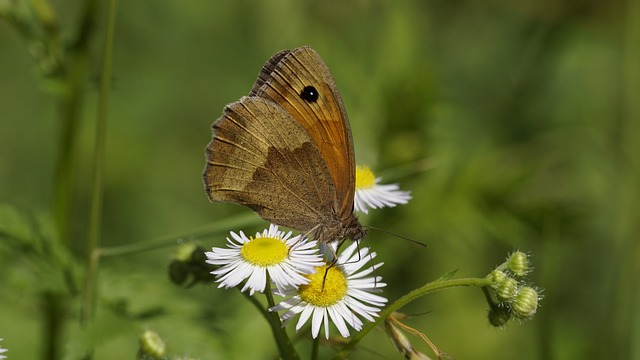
<point>259,157</point>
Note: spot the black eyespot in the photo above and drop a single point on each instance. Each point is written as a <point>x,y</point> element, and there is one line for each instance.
<point>309,93</point>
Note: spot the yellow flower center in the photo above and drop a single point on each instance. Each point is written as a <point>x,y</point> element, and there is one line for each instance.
<point>264,251</point>
<point>364,177</point>
<point>324,295</point>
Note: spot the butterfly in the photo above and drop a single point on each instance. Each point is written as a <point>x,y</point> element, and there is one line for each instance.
<point>286,151</point>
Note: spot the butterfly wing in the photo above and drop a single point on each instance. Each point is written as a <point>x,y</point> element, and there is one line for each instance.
<point>300,82</point>
<point>262,158</point>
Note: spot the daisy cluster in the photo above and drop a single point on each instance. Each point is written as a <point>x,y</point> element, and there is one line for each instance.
<point>342,292</point>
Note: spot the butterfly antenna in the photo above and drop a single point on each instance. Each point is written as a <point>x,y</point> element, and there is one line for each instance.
<point>334,261</point>
<point>398,236</point>
<point>359,252</point>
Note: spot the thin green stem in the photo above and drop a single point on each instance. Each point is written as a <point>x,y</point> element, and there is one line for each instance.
<point>415,294</point>
<point>257,304</point>
<point>53,306</point>
<point>73,74</point>
<point>287,351</point>
<point>212,229</point>
<point>70,107</point>
<point>97,193</point>
<point>315,348</point>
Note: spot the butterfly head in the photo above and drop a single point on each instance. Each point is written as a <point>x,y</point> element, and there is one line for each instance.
<point>355,232</point>
<point>339,229</point>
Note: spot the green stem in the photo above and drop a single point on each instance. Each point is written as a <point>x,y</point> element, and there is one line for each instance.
<point>287,351</point>
<point>54,306</point>
<point>216,228</point>
<point>73,72</point>
<point>256,303</point>
<point>315,347</point>
<point>415,294</point>
<point>70,108</point>
<point>97,193</point>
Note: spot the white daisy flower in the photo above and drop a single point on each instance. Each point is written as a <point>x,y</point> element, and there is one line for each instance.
<point>370,194</point>
<point>2,351</point>
<point>337,292</point>
<point>285,258</point>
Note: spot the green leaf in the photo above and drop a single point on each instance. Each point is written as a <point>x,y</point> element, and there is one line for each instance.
<point>449,275</point>
<point>15,225</point>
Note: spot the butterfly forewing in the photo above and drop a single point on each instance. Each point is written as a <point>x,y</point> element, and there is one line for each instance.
<point>283,79</point>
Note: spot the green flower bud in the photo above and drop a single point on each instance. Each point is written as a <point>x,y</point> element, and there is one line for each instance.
<point>185,251</point>
<point>151,346</point>
<point>497,277</point>
<point>507,289</point>
<point>178,272</point>
<point>499,316</point>
<point>525,303</point>
<point>189,266</point>
<point>518,263</point>
<point>198,256</point>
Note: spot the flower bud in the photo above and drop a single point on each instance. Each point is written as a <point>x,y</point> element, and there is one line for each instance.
<point>178,272</point>
<point>499,316</point>
<point>525,303</point>
<point>507,289</point>
<point>188,266</point>
<point>198,256</point>
<point>185,251</point>
<point>497,277</point>
<point>151,346</point>
<point>518,263</point>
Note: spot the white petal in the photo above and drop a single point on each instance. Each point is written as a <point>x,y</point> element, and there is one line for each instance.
<point>338,320</point>
<point>304,316</point>
<point>316,322</point>
<point>325,317</point>
<point>257,281</point>
<point>348,315</point>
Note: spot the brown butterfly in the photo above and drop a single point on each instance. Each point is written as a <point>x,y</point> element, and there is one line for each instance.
<point>286,151</point>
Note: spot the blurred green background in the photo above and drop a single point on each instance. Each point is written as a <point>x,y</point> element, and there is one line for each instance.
<point>516,125</point>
